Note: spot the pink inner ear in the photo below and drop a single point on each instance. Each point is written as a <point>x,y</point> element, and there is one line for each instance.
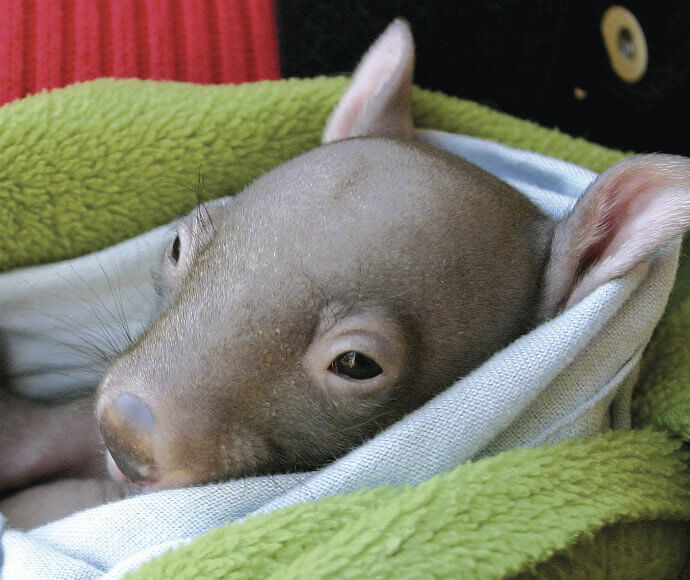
<point>631,211</point>
<point>605,232</point>
<point>607,214</point>
<point>366,86</point>
<point>379,89</point>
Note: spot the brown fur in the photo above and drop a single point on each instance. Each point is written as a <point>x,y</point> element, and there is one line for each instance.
<point>379,226</point>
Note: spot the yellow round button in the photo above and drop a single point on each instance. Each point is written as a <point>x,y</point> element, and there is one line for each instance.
<point>625,43</point>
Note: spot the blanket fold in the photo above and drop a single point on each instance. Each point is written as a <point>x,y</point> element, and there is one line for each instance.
<point>496,518</point>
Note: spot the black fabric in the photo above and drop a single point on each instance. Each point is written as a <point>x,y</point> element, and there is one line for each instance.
<point>523,57</point>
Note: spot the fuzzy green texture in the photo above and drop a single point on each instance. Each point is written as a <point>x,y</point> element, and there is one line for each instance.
<point>580,509</point>
<point>90,165</point>
<point>87,166</point>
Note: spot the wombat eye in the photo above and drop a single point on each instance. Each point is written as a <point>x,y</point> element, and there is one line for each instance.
<point>174,252</point>
<point>355,365</point>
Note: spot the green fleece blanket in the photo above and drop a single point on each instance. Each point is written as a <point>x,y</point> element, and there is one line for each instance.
<point>88,166</point>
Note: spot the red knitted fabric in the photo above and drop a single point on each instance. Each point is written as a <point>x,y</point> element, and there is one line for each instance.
<point>51,43</point>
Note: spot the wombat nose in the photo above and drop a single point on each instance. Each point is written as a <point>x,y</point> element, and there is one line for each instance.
<point>127,428</point>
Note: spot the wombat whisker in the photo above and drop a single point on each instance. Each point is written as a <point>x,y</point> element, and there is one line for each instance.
<point>79,330</point>
<point>368,421</point>
<point>199,185</point>
<point>194,190</point>
<point>206,220</point>
<point>118,320</point>
<point>62,297</point>
<point>118,301</point>
<point>69,323</point>
<point>99,340</point>
<point>38,370</point>
<point>98,343</point>
<point>202,214</point>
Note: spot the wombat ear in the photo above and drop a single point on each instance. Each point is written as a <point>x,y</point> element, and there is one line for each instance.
<point>628,213</point>
<point>378,99</point>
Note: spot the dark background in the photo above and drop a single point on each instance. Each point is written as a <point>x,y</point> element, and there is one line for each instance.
<point>521,57</point>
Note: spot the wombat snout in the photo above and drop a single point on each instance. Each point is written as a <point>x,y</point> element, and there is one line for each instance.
<point>127,426</point>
